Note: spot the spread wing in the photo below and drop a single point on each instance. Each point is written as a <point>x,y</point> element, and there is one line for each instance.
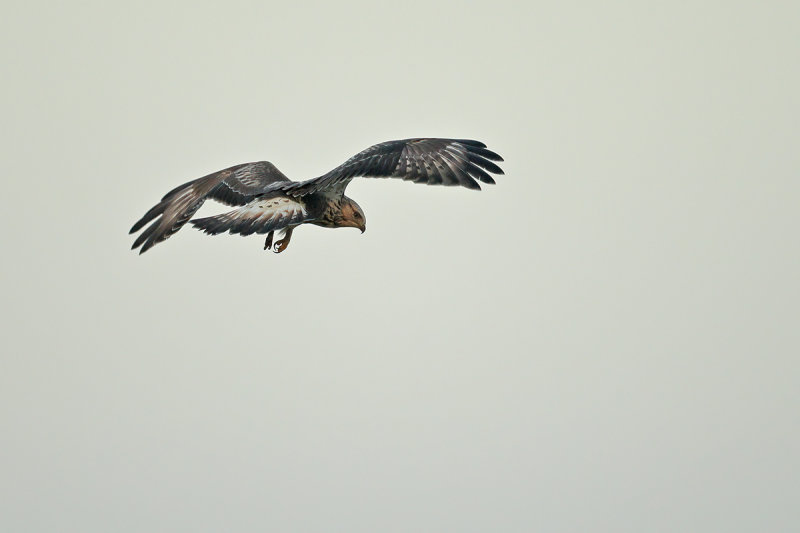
<point>431,161</point>
<point>262,215</point>
<point>237,185</point>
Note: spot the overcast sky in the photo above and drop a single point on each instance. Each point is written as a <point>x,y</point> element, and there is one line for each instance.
<point>605,341</point>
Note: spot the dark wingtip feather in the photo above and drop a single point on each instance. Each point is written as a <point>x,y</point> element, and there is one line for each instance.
<point>479,174</point>
<point>140,223</point>
<point>484,163</point>
<point>149,244</point>
<point>152,213</point>
<point>145,235</point>
<point>470,183</point>
<point>488,154</point>
<point>470,142</point>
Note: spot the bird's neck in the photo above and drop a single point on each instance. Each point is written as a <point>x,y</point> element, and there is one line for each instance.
<point>332,212</point>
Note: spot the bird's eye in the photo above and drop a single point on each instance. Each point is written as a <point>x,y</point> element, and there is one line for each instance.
<point>357,214</point>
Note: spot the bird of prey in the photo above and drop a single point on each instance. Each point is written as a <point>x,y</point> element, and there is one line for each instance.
<point>268,201</point>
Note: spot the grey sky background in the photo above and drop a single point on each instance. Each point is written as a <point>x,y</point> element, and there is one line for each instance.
<point>606,340</point>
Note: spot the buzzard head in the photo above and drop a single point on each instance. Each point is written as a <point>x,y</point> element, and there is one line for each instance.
<point>351,215</point>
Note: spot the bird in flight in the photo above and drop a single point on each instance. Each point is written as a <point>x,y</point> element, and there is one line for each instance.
<point>268,201</point>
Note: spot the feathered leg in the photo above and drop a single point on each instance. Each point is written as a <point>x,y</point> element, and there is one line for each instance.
<point>283,243</point>
<point>268,242</point>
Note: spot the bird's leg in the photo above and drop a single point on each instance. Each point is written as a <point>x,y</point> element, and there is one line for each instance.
<point>268,242</point>
<point>283,243</point>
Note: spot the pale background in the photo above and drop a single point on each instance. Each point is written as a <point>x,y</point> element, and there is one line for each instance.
<point>607,340</point>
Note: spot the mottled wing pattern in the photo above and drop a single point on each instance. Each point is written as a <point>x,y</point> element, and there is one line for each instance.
<point>431,161</point>
<point>259,216</point>
<point>236,185</point>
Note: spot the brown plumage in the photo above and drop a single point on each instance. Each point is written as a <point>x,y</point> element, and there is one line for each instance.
<point>268,201</point>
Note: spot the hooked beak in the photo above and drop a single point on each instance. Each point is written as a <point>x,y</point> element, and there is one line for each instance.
<point>363,228</point>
